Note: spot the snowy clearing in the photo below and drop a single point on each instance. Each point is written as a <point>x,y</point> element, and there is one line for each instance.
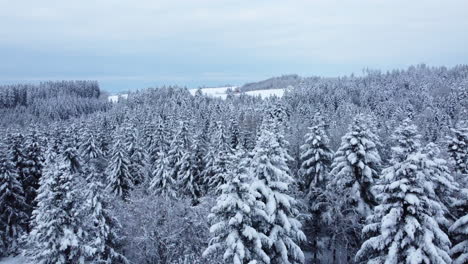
<point>116,98</point>
<point>220,92</point>
<point>13,260</point>
<point>266,93</point>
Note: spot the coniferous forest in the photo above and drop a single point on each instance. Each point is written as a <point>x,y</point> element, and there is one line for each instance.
<point>355,169</point>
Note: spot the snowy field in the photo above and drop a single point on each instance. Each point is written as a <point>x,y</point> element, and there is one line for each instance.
<point>115,98</point>
<point>221,92</point>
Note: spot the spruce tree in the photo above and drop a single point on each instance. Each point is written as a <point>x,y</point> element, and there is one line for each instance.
<point>103,239</point>
<point>233,217</point>
<point>119,179</point>
<point>316,157</point>
<point>221,160</point>
<point>31,170</point>
<point>58,235</point>
<point>137,156</point>
<point>459,232</point>
<point>355,167</point>
<point>272,179</point>
<point>13,214</point>
<point>458,148</point>
<point>405,226</point>
<point>162,182</point>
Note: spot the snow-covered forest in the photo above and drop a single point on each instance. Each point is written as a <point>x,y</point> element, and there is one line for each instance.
<point>356,169</point>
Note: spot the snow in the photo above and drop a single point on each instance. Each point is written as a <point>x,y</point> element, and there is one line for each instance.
<point>266,93</point>
<point>220,92</point>
<point>13,260</point>
<point>116,98</point>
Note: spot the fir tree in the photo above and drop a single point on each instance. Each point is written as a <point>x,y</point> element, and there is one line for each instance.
<point>162,182</point>
<point>459,231</point>
<point>31,170</point>
<point>103,239</point>
<point>233,218</point>
<point>404,227</point>
<point>58,234</point>
<point>13,215</point>
<point>272,179</point>
<point>137,157</point>
<point>458,148</point>
<point>355,167</point>
<point>119,179</point>
<point>221,160</point>
<point>316,157</point>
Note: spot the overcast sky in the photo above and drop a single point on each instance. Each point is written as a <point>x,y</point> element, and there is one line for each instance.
<point>137,44</point>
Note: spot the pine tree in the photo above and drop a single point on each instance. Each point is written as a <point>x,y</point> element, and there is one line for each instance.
<point>178,148</point>
<point>272,179</point>
<point>405,225</point>
<point>162,182</point>
<point>221,160</point>
<point>137,157</point>
<point>459,231</point>
<point>31,170</point>
<point>316,157</point>
<point>119,179</point>
<point>58,235</point>
<point>103,238</point>
<point>458,148</point>
<point>190,173</point>
<point>233,219</point>
<point>13,215</point>
<point>355,167</point>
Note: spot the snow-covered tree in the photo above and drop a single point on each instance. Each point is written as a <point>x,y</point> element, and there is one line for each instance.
<point>404,227</point>
<point>233,217</point>
<point>162,182</point>
<point>13,215</point>
<point>316,157</point>
<point>58,234</point>
<point>119,179</point>
<point>190,173</point>
<point>178,148</point>
<point>459,231</point>
<point>31,170</point>
<point>221,162</point>
<point>355,167</point>
<point>271,181</point>
<point>103,238</point>
<point>458,148</point>
<point>137,156</point>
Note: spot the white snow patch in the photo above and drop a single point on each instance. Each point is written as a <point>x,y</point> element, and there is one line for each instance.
<point>116,98</point>
<point>266,93</point>
<point>13,260</point>
<point>214,91</point>
<point>220,92</point>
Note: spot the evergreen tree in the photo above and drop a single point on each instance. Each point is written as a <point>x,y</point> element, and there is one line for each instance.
<point>404,227</point>
<point>355,167</point>
<point>13,215</point>
<point>233,218</point>
<point>272,179</point>
<point>58,234</point>
<point>137,157</point>
<point>31,170</point>
<point>162,182</point>
<point>178,149</point>
<point>119,179</point>
<point>103,238</point>
<point>190,173</point>
<point>458,148</point>
<point>316,157</point>
<point>459,231</point>
<point>221,160</point>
